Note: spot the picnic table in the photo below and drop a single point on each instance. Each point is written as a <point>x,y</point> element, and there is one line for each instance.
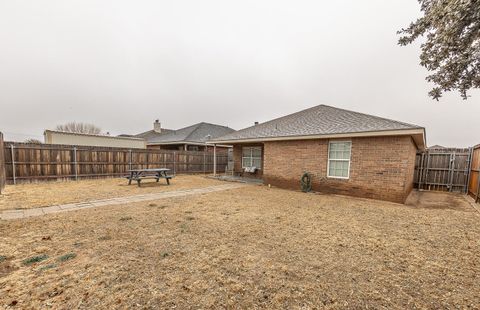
<point>141,174</point>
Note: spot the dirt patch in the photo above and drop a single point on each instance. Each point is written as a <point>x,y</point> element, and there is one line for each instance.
<point>251,247</point>
<point>439,200</point>
<point>26,196</point>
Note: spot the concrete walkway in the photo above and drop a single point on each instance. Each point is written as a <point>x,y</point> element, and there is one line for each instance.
<point>20,214</point>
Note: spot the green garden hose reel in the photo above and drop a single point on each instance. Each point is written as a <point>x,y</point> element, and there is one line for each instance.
<point>306,182</point>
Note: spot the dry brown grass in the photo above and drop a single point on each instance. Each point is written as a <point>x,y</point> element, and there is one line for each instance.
<point>25,196</point>
<point>252,247</point>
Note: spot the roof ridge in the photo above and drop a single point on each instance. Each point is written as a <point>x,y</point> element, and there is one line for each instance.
<point>196,126</point>
<point>279,118</point>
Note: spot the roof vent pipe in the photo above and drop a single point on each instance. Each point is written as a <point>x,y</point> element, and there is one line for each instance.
<point>256,123</point>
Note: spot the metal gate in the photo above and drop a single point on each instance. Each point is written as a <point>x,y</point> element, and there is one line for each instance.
<point>443,169</point>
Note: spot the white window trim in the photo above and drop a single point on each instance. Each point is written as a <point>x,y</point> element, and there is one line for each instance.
<point>252,157</point>
<point>328,160</point>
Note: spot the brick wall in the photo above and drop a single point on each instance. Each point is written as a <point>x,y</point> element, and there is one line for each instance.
<point>380,168</point>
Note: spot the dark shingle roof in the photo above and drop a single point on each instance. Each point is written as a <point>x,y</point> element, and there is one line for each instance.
<point>318,120</point>
<point>152,134</point>
<point>198,133</point>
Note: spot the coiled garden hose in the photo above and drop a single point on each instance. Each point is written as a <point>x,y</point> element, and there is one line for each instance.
<point>306,182</point>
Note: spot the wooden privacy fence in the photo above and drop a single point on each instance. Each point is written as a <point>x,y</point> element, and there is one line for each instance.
<point>34,162</point>
<point>474,184</point>
<point>443,169</point>
<point>2,165</point>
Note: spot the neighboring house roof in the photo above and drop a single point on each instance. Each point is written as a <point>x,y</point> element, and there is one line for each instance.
<point>322,121</point>
<point>196,134</point>
<point>66,133</point>
<point>436,146</point>
<point>152,134</point>
<point>71,138</point>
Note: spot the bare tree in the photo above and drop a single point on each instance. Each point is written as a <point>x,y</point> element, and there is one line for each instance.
<point>33,141</point>
<point>79,128</point>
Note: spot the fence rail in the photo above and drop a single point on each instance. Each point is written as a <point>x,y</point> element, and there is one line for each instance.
<point>2,165</point>
<point>33,162</point>
<point>474,182</point>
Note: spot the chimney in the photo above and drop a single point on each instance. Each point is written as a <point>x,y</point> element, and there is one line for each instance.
<point>157,126</point>
<point>256,123</point>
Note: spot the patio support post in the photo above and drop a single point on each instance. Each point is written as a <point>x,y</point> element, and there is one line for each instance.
<point>13,164</point>
<point>214,160</point>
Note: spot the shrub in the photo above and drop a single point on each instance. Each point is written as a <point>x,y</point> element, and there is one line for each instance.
<point>66,257</point>
<point>35,259</point>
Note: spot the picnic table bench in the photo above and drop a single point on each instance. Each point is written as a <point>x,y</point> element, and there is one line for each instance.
<point>141,174</point>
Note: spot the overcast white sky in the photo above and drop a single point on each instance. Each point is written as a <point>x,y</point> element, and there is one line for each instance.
<point>122,64</point>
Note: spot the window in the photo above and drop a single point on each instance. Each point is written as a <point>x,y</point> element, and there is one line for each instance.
<point>252,157</point>
<point>339,159</point>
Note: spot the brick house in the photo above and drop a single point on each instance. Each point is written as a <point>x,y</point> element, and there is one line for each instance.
<point>346,152</point>
<point>191,138</point>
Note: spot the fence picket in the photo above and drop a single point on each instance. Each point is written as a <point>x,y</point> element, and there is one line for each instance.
<point>32,162</point>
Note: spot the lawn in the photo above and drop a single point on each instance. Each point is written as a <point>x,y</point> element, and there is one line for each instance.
<point>252,247</point>
<point>26,196</point>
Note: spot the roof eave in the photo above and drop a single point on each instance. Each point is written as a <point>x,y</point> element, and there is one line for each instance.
<point>417,133</point>
<point>185,142</point>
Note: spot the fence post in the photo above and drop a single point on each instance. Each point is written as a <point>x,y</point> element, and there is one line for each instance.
<point>174,163</point>
<point>75,163</point>
<point>478,186</point>
<point>13,164</point>
<point>214,160</point>
<point>130,160</point>
<point>204,161</point>
<point>469,171</point>
<point>420,170</point>
<point>451,172</point>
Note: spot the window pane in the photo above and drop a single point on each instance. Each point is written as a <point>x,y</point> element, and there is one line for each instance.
<point>339,150</point>
<point>331,171</point>
<point>338,168</point>
<point>246,151</point>
<point>247,162</point>
<point>257,162</point>
<point>333,165</point>
<point>257,152</point>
